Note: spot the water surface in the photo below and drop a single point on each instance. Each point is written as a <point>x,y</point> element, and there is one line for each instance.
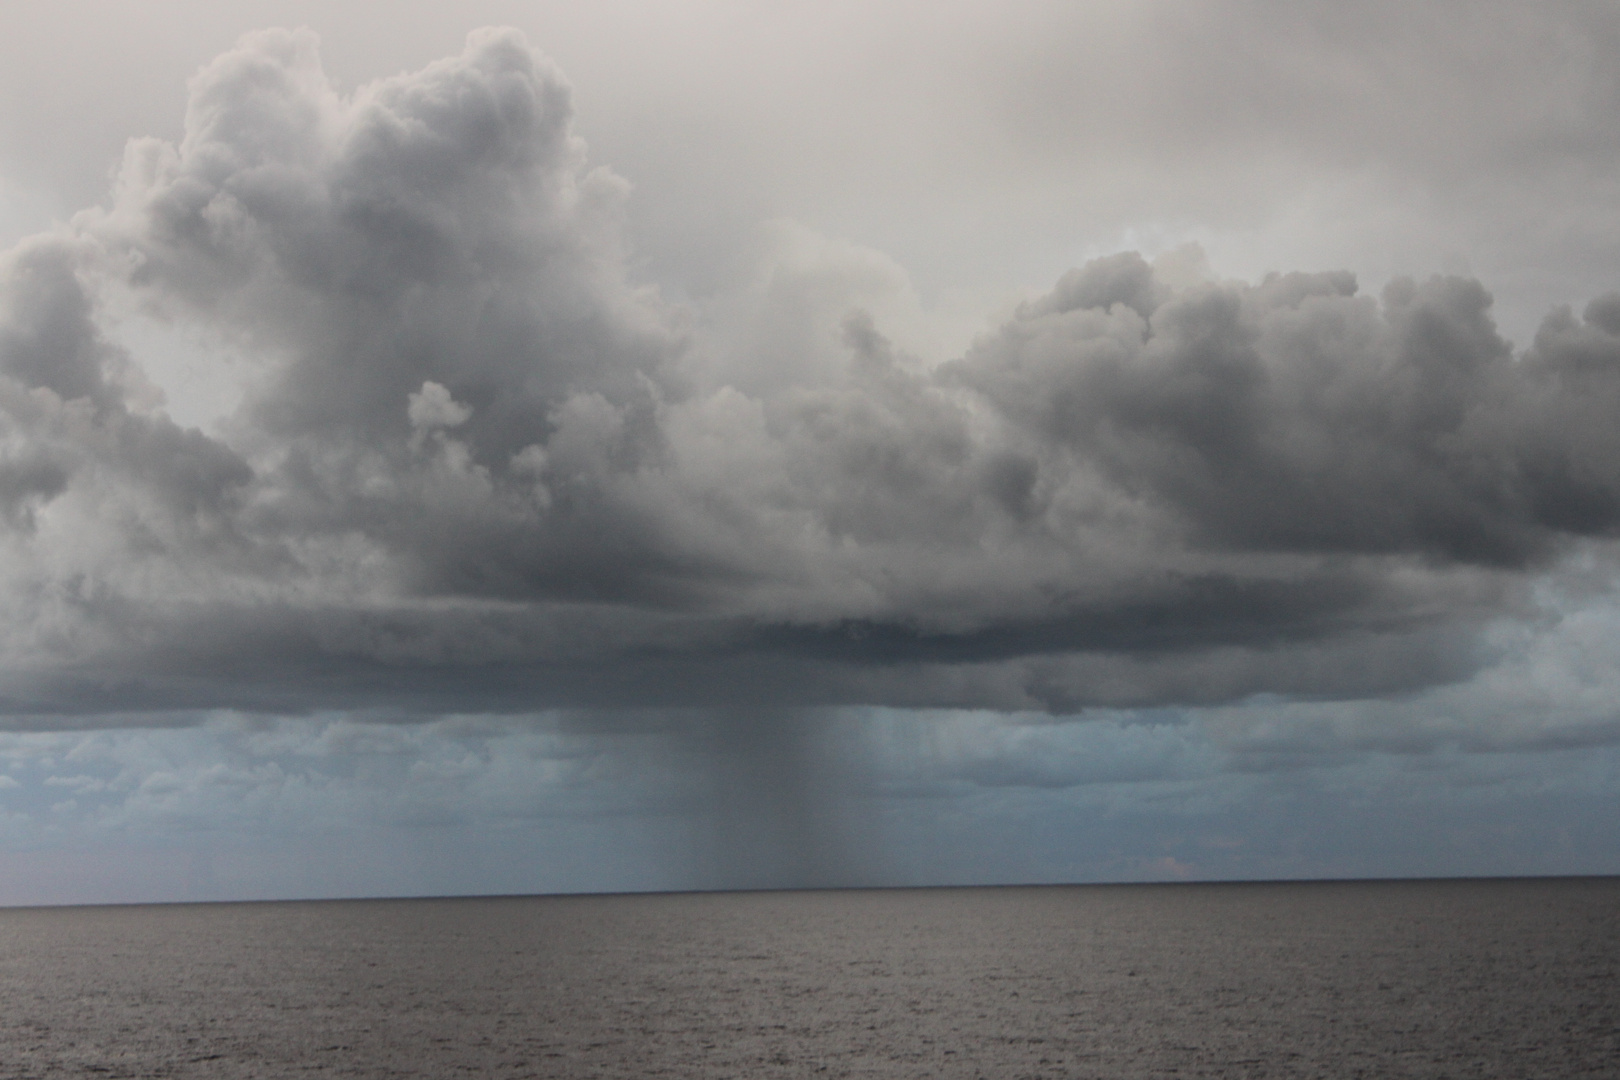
<point>1356,979</point>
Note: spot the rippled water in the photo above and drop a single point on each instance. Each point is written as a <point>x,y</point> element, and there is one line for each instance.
<point>1375,979</point>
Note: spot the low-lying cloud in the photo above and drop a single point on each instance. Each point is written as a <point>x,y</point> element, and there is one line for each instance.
<point>479,467</point>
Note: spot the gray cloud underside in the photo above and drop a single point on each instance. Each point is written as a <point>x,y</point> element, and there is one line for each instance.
<point>478,466</point>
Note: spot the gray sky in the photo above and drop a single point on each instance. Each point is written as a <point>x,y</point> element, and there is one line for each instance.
<point>673,445</point>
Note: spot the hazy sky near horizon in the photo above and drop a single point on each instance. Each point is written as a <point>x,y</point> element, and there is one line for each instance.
<point>553,447</point>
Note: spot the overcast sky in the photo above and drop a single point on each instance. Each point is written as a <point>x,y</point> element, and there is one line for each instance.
<point>538,447</point>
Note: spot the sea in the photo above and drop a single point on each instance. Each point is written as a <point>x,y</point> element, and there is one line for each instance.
<point>1487,978</point>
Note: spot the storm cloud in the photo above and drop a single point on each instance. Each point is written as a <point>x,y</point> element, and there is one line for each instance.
<point>479,465</point>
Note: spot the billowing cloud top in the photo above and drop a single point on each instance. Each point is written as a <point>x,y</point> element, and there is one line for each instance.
<point>477,467</point>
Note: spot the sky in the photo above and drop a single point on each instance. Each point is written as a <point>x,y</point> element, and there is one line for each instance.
<point>530,447</point>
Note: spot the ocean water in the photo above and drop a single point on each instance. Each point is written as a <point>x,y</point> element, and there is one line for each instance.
<point>1358,979</point>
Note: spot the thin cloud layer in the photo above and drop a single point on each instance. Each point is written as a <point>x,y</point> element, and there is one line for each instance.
<point>479,467</point>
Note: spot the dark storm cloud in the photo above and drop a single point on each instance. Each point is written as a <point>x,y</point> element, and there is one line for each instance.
<point>67,427</point>
<point>1296,416</point>
<point>477,467</point>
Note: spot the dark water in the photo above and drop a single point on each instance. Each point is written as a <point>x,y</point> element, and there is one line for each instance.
<point>1430,979</point>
